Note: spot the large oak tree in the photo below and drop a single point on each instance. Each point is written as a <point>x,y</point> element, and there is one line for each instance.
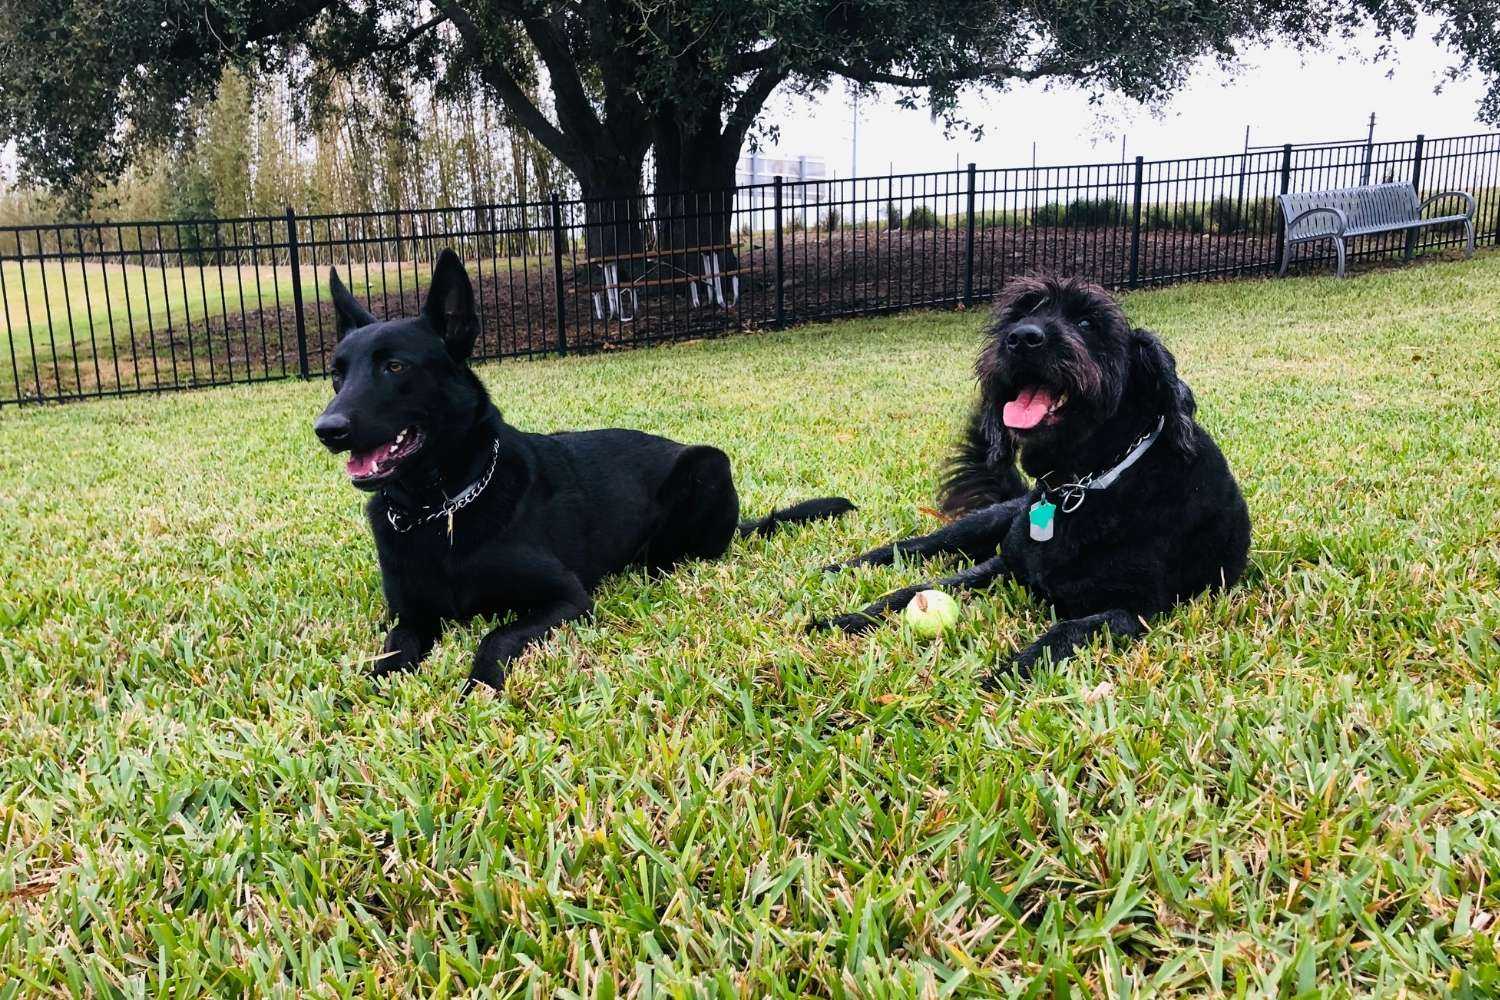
<point>85,84</point>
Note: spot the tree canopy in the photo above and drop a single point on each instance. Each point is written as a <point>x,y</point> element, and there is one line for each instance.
<point>85,86</point>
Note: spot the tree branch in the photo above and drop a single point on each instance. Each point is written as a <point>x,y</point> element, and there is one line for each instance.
<point>999,71</point>
<point>509,90</point>
<point>747,108</point>
<point>268,20</point>
<point>747,62</point>
<point>573,105</point>
<point>413,34</point>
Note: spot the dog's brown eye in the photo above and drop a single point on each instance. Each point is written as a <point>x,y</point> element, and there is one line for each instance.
<point>395,367</point>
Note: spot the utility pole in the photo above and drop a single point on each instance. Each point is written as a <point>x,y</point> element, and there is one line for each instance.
<point>854,140</point>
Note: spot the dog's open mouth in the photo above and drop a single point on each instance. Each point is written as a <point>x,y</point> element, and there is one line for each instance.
<point>1033,406</point>
<point>383,460</point>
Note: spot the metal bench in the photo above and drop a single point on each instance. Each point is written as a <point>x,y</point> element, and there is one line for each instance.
<point>1340,213</point>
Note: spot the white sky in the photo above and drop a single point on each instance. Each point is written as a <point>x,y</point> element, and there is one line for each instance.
<point>1281,95</point>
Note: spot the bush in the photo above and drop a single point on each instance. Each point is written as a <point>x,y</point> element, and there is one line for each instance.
<point>892,215</point>
<point>830,220</point>
<point>922,217</point>
<point>1050,214</point>
<point>1095,212</point>
<point>1224,213</point>
<point>1182,218</point>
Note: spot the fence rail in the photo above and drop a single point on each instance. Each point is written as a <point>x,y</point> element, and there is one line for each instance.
<point>103,308</point>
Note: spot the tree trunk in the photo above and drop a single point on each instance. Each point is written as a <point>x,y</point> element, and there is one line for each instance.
<point>613,207</point>
<point>695,186</point>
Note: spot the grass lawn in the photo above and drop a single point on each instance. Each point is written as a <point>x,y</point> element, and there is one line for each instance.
<point>1290,789</point>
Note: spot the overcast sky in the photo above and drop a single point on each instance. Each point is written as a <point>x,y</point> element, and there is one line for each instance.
<point>1282,96</point>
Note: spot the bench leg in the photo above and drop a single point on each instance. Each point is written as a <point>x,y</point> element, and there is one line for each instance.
<point>1286,258</point>
<point>1338,247</point>
<point>1469,231</point>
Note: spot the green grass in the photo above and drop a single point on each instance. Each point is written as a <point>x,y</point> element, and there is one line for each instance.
<point>1291,789</point>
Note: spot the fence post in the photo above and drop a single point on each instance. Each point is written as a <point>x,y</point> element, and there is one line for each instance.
<point>1135,226</point>
<point>295,258</point>
<point>1416,185</point>
<point>557,274</point>
<point>780,288</point>
<point>969,245</point>
<point>1286,185</point>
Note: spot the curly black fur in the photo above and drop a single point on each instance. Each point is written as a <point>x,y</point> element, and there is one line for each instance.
<point>1172,526</point>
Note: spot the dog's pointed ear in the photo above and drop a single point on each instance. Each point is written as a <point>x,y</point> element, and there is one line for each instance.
<point>350,314</point>
<point>450,305</point>
<point>1156,370</point>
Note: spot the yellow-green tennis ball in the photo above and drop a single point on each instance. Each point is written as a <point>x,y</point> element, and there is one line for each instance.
<point>931,613</point>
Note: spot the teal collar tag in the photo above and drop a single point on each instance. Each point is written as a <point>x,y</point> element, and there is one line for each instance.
<point>1042,515</point>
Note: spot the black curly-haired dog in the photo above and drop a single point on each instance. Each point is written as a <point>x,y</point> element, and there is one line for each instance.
<point>1134,508</point>
<point>473,517</point>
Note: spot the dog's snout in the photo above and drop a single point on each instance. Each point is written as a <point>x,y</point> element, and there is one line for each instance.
<point>332,429</point>
<point>1025,335</point>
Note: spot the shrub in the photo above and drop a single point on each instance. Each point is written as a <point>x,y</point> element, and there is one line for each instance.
<point>830,220</point>
<point>1050,214</point>
<point>1095,212</point>
<point>1224,214</point>
<point>1183,218</point>
<point>892,215</point>
<point>922,217</point>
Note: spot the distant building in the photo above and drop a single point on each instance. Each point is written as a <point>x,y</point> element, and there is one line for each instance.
<point>795,171</point>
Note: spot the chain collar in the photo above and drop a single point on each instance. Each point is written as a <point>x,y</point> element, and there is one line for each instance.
<point>403,522</point>
<point>1071,495</point>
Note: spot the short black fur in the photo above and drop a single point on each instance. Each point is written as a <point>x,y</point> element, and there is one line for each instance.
<point>548,515</point>
<point>1068,387</point>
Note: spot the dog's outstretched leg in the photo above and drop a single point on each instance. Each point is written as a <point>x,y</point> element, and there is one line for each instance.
<point>974,535</point>
<point>869,617</point>
<point>1063,639</point>
<point>506,642</point>
<point>406,645</point>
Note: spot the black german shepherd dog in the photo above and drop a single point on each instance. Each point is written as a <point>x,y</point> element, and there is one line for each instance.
<point>472,517</point>
<point>1134,507</point>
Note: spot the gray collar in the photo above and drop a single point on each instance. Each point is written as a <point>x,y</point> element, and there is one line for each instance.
<point>1072,495</point>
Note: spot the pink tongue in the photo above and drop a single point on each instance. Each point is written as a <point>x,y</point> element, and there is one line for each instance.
<point>362,465</point>
<point>1028,409</point>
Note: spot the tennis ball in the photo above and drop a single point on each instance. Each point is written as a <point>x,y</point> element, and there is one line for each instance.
<point>931,613</point>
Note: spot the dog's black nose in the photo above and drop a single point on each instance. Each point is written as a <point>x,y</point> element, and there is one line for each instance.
<point>332,429</point>
<point>1025,335</point>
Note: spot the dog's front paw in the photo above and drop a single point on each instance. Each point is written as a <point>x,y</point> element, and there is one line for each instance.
<point>402,651</point>
<point>1019,664</point>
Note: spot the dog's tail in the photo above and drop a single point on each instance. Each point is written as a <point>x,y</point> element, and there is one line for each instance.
<point>819,509</point>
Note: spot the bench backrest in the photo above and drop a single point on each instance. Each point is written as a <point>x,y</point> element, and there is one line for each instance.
<point>1369,205</point>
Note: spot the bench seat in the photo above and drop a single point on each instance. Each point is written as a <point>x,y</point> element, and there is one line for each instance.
<point>1337,214</point>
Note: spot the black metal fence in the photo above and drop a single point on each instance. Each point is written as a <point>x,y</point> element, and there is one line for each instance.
<point>113,308</point>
